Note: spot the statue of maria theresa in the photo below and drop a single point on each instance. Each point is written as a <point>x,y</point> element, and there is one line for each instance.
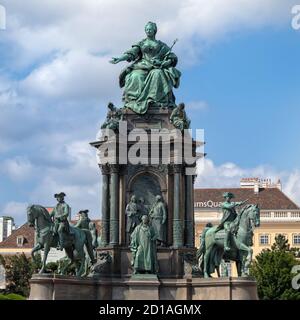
<point>151,76</point>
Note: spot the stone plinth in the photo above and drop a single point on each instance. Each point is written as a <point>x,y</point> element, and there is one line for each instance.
<point>224,289</point>
<point>147,287</point>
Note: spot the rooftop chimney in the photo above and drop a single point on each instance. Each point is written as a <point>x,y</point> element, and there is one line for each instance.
<point>256,184</point>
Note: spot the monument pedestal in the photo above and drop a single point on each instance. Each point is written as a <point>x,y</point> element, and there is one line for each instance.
<point>144,286</point>
<point>137,287</point>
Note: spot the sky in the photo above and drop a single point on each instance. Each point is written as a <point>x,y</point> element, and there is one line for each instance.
<point>240,82</point>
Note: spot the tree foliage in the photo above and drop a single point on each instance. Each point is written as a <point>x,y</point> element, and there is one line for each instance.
<point>19,270</point>
<point>272,270</point>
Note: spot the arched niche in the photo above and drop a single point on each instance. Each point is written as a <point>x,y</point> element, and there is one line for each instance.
<point>147,185</point>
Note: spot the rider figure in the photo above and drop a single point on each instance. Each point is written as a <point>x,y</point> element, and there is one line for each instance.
<point>229,215</point>
<point>60,214</point>
<point>84,220</point>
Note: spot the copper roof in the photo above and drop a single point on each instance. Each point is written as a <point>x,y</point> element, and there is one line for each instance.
<point>267,199</point>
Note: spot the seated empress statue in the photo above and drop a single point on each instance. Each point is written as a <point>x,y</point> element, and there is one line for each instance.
<point>151,76</point>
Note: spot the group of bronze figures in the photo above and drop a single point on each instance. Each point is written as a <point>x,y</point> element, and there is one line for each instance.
<point>146,229</point>
<point>178,117</point>
<point>55,231</point>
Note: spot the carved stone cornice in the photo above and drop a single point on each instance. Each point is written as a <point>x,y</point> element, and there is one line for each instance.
<point>177,168</point>
<point>105,169</point>
<point>114,168</point>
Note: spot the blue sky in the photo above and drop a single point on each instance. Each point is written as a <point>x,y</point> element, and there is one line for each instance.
<point>240,82</point>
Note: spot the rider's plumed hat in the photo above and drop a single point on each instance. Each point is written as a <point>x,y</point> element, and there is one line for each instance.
<point>61,194</point>
<point>228,195</point>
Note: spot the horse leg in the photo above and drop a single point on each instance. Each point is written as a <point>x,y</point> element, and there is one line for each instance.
<point>245,265</point>
<point>206,259</point>
<point>238,264</point>
<point>69,253</point>
<point>218,271</point>
<point>46,251</point>
<point>81,256</point>
<point>35,249</point>
<point>89,247</point>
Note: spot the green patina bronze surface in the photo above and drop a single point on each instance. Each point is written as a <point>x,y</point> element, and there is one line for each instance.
<point>151,76</point>
<point>231,239</point>
<point>114,115</point>
<point>158,216</point>
<point>60,215</point>
<point>179,118</point>
<point>143,248</point>
<point>78,243</point>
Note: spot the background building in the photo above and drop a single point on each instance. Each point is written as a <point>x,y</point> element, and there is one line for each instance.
<point>7,226</point>
<point>279,214</point>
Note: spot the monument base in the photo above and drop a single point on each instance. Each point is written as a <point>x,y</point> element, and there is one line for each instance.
<point>55,287</point>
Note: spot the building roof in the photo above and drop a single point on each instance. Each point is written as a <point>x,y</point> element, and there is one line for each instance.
<point>28,236</point>
<point>266,198</point>
<point>24,231</point>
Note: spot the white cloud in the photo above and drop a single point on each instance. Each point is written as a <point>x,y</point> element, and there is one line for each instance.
<point>80,180</point>
<point>111,26</point>
<point>74,75</point>
<point>17,210</point>
<point>18,169</point>
<point>228,175</point>
<point>292,186</point>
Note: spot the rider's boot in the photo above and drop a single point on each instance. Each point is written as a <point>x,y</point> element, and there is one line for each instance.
<point>226,241</point>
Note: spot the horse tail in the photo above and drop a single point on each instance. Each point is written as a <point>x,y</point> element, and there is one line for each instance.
<point>89,244</point>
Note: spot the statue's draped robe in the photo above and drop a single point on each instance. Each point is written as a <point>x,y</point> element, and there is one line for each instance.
<point>143,83</point>
<point>158,220</point>
<point>143,246</point>
<point>131,212</point>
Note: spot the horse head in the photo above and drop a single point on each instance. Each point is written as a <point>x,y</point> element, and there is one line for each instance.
<point>250,216</point>
<point>36,211</point>
<point>31,215</point>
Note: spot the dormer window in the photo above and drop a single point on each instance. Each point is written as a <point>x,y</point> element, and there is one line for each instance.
<point>20,241</point>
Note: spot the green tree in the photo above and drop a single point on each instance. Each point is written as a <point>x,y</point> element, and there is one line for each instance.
<point>272,270</point>
<point>19,270</point>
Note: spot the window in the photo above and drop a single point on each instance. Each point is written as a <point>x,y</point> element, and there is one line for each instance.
<point>296,239</point>
<point>264,239</point>
<point>20,241</point>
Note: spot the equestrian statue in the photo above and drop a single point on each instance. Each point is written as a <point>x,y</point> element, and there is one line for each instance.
<point>54,231</point>
<point>231,240</point>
